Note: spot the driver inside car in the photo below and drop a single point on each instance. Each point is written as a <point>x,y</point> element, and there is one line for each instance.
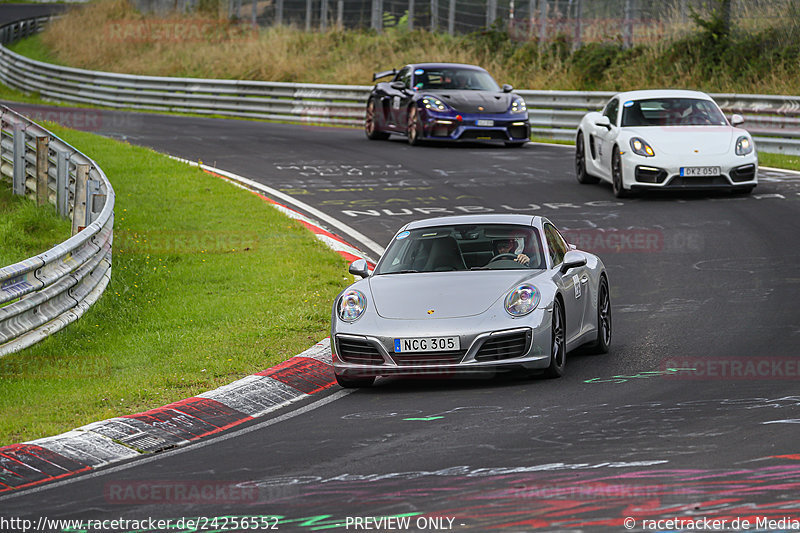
<point>510,246</point>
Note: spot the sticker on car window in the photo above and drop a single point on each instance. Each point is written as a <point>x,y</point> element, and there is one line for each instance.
<point>418,72</point>
<point>403,235</point>
<point>628,103</point>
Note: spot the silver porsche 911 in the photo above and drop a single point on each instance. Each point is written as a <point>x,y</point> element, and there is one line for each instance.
<point>470,294</point>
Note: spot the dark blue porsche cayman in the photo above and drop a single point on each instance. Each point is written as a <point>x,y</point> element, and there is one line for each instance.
<point>447,102</point>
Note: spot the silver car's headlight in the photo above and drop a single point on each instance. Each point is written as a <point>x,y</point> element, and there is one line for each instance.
<point>518,106</point>
<point>352,305</point>
<point>522,300</point>
<point>640,147</point>
<point>743,145</point>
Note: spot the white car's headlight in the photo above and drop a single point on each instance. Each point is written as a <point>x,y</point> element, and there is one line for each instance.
<point>518,106</point>
<point>743,145</point>
<point>522,300</point>
<point>640,147</point>
<point>352,305</point>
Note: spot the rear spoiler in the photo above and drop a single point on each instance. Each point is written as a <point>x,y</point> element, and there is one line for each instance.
<point>379,75</point>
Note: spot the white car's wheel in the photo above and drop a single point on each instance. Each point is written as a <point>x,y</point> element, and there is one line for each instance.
<point>580,162</point>
<point>616,175</point>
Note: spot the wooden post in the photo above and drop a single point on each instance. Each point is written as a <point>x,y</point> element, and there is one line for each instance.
<point>42,166</point>
<point>79,209</point>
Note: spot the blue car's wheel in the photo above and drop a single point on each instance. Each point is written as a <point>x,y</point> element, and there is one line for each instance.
<point>414,127</point>
<point>371,123</point>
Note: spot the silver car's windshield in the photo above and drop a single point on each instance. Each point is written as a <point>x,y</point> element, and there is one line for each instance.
<point>457,79</point>
<point>672,112</point>
<point>463,247</point>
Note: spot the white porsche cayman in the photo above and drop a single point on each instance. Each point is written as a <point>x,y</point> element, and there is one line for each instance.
<point>665,139</point>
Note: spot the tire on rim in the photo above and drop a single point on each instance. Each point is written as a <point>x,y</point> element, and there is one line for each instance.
<point>558,343</point>
<point>353,383</point>
<point>370,124</point>
<point>604,329</point>
<point>584,177</point>
<point>616,175</point>
<point>414,127</point>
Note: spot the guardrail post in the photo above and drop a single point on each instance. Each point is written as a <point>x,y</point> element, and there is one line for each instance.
<point>279,12</point>
<point>491,12</point>
<point>323,15</point>
<point>94,200</point>
<point>42,166</point>
<point>62,182</point>
<point>79,209</point>
<point>19,159</point>
<point>451,17</point>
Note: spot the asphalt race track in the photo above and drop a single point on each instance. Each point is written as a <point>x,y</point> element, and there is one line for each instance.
<point>693,414</point>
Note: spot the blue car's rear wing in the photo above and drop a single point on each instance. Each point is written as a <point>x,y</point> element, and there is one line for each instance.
<point>379,75</point>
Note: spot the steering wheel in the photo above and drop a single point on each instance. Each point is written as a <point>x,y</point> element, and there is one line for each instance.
<point>503,256</point>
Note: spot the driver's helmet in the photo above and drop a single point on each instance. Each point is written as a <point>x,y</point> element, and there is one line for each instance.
<point>509,246</point>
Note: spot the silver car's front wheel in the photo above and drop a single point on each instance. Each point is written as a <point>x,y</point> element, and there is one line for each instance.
<point>558,342</point>
<point>603,317</point>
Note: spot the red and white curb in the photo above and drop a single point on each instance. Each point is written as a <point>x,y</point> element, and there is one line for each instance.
<point>179,423</point>
<point>122,438</point>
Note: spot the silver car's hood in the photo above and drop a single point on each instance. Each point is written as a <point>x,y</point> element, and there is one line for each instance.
<point>443,294</point>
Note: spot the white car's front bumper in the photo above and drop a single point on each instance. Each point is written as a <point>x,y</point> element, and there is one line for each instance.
<point>661,172</point>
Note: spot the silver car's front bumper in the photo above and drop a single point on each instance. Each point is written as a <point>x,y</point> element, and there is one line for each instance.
<point>511,345</point>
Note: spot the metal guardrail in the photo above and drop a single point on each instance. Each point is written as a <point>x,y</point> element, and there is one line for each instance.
<point>43,294</point>
<point>774,121</point>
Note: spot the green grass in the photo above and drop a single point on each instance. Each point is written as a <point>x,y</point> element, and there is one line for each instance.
<point>25,228</point>
<point>791,162</point>
<point>209,284</point>
<point>33,48</point>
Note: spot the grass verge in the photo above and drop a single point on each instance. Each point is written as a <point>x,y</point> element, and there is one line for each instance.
<point>209,284</point>
<point>25,228</point>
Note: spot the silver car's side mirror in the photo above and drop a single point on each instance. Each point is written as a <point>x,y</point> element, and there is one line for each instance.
<point>737,120</point>
<point>359,268</point>
<point>507,88</point>
<point>603,122</point>
<point>572,259</point>
<point>397,85</point>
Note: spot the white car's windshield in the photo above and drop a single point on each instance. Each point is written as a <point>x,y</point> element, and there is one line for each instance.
<point>672,112</point>
<point>459,79</point>
<point>463,247</point>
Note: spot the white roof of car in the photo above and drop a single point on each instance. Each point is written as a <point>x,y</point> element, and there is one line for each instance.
<point>662,93</point>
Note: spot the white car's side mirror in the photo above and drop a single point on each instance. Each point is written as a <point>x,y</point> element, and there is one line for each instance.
<point>737,120</point>
<point>603,122</point>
